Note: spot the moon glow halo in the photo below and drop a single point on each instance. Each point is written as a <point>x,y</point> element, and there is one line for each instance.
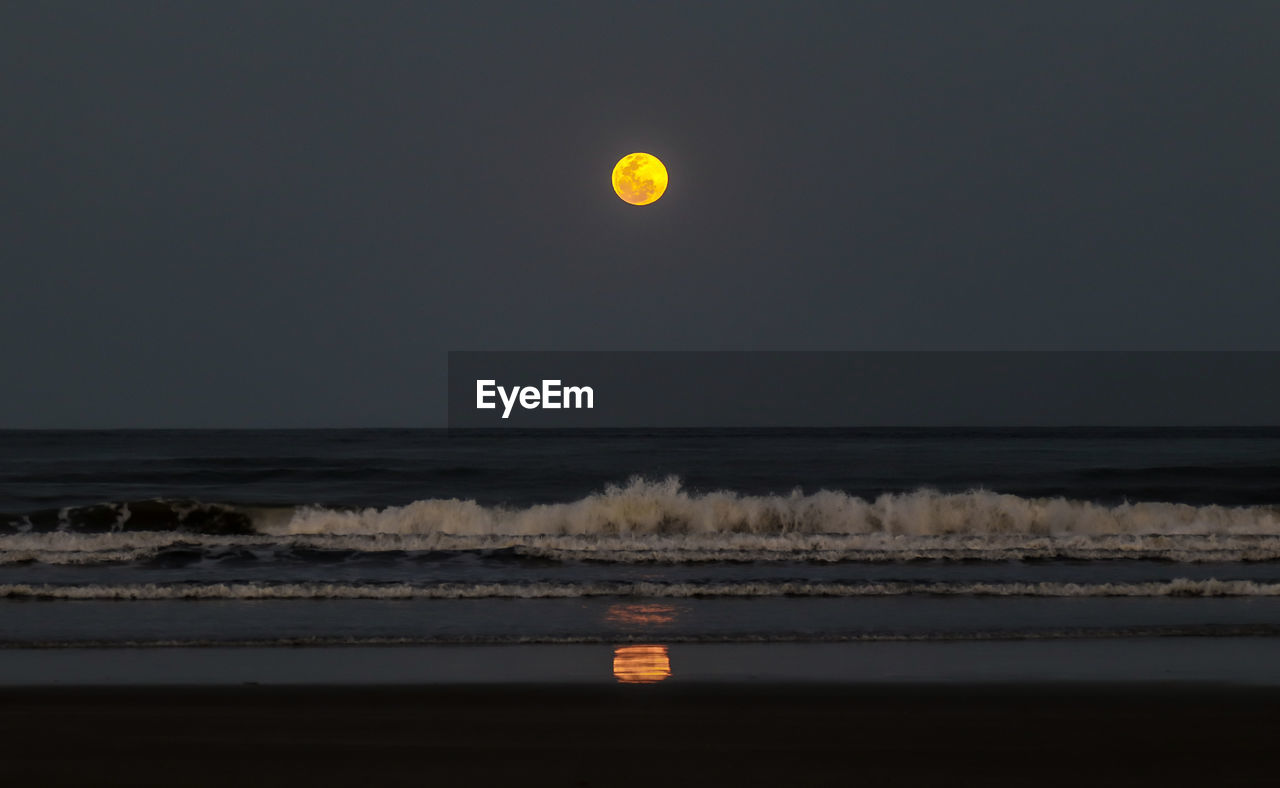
<point>639,178</point>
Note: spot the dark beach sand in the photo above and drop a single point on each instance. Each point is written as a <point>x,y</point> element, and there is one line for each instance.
<point>1025,735</point>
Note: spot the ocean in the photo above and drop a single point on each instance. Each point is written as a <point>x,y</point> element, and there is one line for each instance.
<point>638,541</point>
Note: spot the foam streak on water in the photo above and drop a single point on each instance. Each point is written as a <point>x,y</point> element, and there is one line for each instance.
<point>1179,587</point>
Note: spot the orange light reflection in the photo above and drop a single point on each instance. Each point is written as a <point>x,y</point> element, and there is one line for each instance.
<point>641,614</point>
<point>641,664</point>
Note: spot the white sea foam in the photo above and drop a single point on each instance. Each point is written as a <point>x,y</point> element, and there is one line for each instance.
<point>644,507</point>
<point>662,522</point>
<point>85,549</point>
<point>259,591</point>
<point>668,638</point>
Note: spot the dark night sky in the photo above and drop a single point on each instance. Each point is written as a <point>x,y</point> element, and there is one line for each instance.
<point>283,214</point>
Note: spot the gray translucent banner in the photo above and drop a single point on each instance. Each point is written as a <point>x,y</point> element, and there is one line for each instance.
<point>861,389</point>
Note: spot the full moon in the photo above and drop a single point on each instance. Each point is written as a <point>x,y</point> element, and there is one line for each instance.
<point>639,178</point>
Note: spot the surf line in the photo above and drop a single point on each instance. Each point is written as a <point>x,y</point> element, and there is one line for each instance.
<point>551,395</point>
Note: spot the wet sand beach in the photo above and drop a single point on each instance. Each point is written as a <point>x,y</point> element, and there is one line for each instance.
<point>1009,734</point>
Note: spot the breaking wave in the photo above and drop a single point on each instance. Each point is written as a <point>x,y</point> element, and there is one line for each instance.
<point>661,521</point>
<point>645,507</point>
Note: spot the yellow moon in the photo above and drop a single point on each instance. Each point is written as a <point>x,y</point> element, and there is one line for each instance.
<point>639,178</point>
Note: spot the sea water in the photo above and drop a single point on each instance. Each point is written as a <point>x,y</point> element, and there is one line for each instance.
<point>212,539</point>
